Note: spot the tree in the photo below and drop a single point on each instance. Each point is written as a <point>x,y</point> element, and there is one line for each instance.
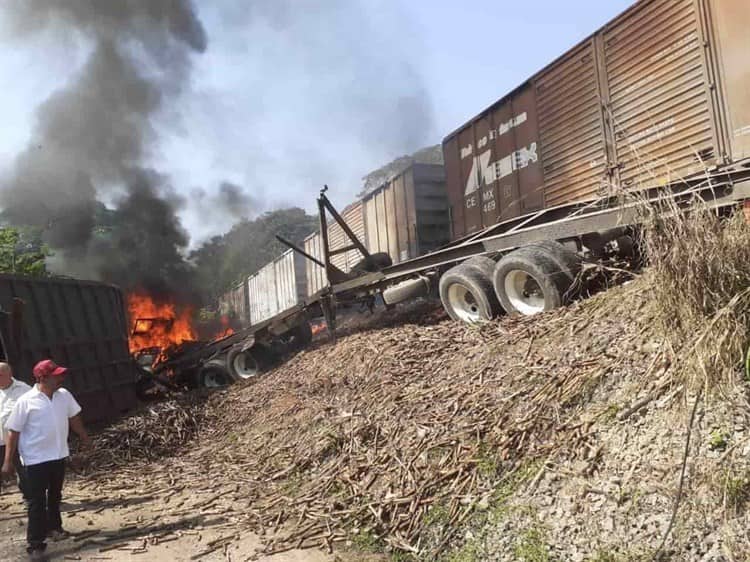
<point>22,251</point>
<point>226,260</point>
<point>376,178</point>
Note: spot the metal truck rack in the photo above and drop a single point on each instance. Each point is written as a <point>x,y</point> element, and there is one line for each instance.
<point>719,189</point>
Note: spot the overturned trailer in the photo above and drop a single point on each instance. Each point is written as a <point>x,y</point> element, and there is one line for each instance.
<point>79,324</point>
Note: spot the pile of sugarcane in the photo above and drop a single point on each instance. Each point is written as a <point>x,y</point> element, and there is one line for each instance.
<point>376,434</point>
<point>156,430</point>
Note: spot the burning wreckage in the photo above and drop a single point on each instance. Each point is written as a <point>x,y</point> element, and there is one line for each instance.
<point>168,350</point>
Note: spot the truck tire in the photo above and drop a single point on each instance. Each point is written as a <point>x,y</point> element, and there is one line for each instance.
<point>485,265</point>
<point>243,365</point>
<point>568,261</point>
<point>467,295</point>
<point>375,262</point>
<point>533,279</point>
<point>214,375</point>
<point>407,290</point>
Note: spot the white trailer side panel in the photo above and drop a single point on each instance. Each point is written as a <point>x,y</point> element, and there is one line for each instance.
<point>277,287</point>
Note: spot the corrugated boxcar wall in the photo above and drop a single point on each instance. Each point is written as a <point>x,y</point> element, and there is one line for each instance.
<point>408,215</point>
<point>637,105</point>
<point>80,325</point>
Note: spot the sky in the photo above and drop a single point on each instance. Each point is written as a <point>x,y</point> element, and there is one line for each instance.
<point>294,94</point>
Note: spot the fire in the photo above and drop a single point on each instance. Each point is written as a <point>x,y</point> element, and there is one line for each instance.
<point>154,324</point>
<point>318,328</point>
<point>226,328</point>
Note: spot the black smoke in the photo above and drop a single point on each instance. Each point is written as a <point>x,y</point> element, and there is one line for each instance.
<point>93,137</point>
<point>230,203</point>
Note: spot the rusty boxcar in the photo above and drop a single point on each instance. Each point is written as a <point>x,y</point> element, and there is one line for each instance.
<point>407,216</point>
<point>658,95</point>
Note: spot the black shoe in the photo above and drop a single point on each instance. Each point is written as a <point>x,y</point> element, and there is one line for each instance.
<point>58,534</point>
<point>37,552</point>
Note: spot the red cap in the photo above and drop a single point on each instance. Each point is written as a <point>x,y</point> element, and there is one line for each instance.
<point>48,368</point>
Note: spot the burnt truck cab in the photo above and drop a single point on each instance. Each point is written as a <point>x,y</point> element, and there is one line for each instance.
<point>241,355</point>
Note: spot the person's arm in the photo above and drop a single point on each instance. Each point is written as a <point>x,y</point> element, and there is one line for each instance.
<point>76,424</point>
<point>11,444</point>
<point>14,426</point>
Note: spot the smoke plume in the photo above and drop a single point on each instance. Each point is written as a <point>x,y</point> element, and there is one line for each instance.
<point>333,89</point>
<point>231,201</point>
<point>92,138</point>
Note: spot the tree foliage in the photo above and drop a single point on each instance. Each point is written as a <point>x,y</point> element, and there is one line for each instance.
<point>22,251</point>
<point>376,178</point>
<point>225,260</point>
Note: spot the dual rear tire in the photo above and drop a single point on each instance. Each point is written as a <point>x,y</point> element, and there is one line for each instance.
<point>466,291</point>
<point>527,281</point>
<point>236,366</point>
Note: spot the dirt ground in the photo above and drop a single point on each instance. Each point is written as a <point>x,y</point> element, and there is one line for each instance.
<point>128,525</point>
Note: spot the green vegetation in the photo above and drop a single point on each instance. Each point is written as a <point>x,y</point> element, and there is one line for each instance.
<point>487,463</point>
<point>718,440</point>
<point>367,541</point>
<point>495,511</point>
<point>22,251</point>
<point>736,490</point>
<point>606,556</point>
<point>532,546</point>
<point>224,260</point>
<point>610,414</point>
<point>470,552</point>
<point>438,515</point>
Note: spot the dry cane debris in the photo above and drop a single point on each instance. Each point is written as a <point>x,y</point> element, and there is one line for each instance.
<point>156,431</point>
<point>366,437</point>
<point>410,420</point>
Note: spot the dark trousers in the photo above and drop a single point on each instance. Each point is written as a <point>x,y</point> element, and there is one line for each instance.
<point>20,471</point>
<point>45,482</point>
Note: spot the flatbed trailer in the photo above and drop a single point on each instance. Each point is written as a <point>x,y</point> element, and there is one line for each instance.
<point>576,227</point>
<point>247,352</point>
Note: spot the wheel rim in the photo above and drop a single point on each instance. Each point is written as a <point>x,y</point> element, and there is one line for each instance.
<point>464,304</point>
<point>524,293</point>
<point>214,379</point>
<point>245,365</point>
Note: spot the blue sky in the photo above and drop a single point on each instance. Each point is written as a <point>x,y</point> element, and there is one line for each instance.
<point>292,94</point>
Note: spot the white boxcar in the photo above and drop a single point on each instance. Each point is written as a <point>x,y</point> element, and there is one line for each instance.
<point>233,304</point>
<point>277,287</point>
<point>316,275</point>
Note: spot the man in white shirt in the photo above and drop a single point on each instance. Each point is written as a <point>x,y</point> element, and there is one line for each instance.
<point>10,391</point>
<point>38,426</point>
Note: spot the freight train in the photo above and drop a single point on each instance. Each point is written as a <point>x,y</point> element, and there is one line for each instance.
<point>656,102</point>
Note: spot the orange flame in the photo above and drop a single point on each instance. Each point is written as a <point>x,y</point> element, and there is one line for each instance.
<point>159,325</point>
<point>226,328</point>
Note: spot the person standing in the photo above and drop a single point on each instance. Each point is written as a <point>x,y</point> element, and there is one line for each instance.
<point>10,391</point>
<point>38,426</point>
